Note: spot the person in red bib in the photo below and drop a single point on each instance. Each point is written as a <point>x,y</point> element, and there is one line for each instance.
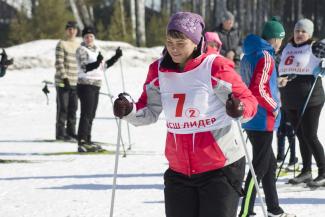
<point>200,94</point>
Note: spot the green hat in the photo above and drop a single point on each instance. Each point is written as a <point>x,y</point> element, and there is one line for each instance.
<point>273,29</point>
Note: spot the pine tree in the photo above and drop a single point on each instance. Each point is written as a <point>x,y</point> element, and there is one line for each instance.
<point>156,32</point>
<point>50,17</point>
<point>20,29</point>
<point>119,31</point>
<point>102,31</point>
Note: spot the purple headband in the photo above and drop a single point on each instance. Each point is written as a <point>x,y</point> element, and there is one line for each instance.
<point>189,24</point>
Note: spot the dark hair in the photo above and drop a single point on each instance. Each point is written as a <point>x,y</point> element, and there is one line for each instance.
<point>176,34</point>
<point>167,61</point>
<point>71,24</point>
<point>309,41</point>
<point>88,30</point>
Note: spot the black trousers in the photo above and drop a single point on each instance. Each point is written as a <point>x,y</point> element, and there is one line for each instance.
<point>88,95</point>
<point>264,164</point>
<point>210,194</point>
<point>67,105</point>
<point>286,130</point>
<point>307,136</point>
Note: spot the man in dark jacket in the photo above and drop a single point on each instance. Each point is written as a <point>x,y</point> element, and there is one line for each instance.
<point>230,38</point>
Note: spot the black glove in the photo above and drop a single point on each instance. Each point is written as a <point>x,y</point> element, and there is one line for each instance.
<point>122,106</point>
<point>94,65</point>
<point>66,84</point>
<point>99,58</point>
<point>318,49</point>
<point>234,107</point>
<point>118,54</point>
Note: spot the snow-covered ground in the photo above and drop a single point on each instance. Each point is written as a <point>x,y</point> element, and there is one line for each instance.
<point>80,185</point>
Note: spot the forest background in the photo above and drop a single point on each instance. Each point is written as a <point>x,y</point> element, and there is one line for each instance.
<point>142,22</point>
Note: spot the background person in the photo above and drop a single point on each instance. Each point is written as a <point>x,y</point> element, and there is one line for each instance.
<point>258,71</point>
<point>4,63</point>
<point>230,38</point>
<point>298,59</point>
<point>213,42</point>
<point>66,82</point>
<point>90,75</point>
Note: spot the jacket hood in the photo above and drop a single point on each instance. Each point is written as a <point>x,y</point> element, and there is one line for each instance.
<point>254,43</point>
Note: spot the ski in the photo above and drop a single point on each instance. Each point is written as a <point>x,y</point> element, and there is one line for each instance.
<point>76,153</point>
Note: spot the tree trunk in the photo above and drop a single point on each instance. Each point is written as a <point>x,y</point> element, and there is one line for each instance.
<point>176,6</point>
<point>220,7</point>
<point>240,15</point>
<point>193,4</point>
<point>140,21</point>
<point>76,14</point>
<point>203,8</point>
<point>86,15</point>
<point>121,6</point>
<point>133,19</point>
<point>166,7</point>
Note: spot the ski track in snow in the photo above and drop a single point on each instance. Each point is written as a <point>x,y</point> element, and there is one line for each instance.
<point>80,185</point>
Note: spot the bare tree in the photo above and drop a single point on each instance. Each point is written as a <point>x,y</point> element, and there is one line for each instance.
<point>133,19</point>
<point>86,12</point>
<point>121,6</point>
<point>175,6</point>
<point>166,6</point>
<point>240,15</point>
<point>203,8</point>
<point>140,21</point>
<point>75,12</point>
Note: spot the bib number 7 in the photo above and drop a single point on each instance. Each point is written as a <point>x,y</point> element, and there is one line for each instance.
<point>180,103</point>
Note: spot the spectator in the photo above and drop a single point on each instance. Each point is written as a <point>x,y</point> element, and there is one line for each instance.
<point>90,74</point>
<point>4,63</point>
<point>213,42</point>
<point>230,38</point>
<point>66,82</point>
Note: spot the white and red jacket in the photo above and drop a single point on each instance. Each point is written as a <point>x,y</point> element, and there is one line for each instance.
<point>200,135</point>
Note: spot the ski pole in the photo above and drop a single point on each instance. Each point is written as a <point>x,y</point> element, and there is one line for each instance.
<point>110,96</point>
<point>127,123</point>
<point>298,124</point>
<point>251,168</point>
<point>117,153</point>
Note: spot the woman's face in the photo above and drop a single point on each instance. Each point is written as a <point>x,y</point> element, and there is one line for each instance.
<point>300,36</point>
<point>180,49</point>
<point>89,39</point>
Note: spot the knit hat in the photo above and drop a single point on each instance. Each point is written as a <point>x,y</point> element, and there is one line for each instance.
<point>227,16</point>
<point>213,37</point>
<point>273,29</point>
<point>88,30</point>
<point>71,24</point>
<point>307,25</point>
<point>190,24</point>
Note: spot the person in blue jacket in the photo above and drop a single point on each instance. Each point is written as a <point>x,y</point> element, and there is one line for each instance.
<point>258,71</point>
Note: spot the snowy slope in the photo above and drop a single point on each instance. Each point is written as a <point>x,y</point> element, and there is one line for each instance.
<point>80,185</point>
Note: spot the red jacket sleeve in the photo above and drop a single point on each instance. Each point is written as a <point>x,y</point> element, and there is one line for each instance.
<point>152,76</point>
<point>223,71</point>
<point>260,82</point>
